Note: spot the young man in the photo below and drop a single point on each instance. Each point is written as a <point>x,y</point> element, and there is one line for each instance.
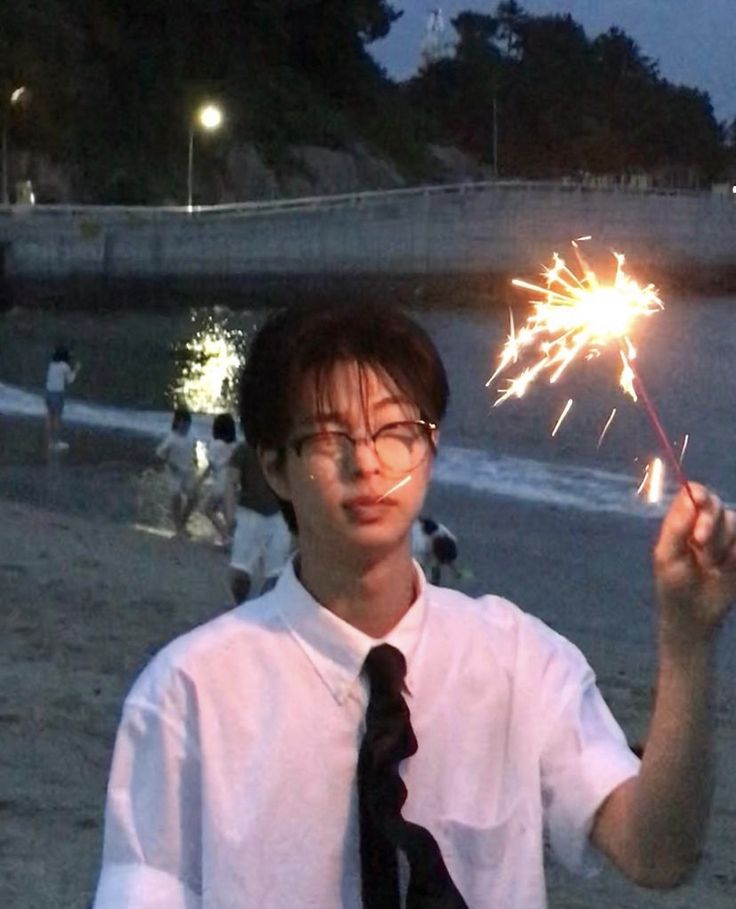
<point>357,737</point>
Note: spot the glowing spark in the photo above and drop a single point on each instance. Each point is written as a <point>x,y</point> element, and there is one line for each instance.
<point>627,377</point>
<point>577,314</point>
<point>562,416</point>
<point>574,315</point>
<point>396,486</point>
<point>684,446</point>
<point>653,481</point>
<point>511,350</point>
<point>606,427</point>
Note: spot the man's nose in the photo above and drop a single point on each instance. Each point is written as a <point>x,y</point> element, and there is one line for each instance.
<point>363,457</point>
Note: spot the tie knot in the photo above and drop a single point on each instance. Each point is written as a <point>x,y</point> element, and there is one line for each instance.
<point>385,667</point>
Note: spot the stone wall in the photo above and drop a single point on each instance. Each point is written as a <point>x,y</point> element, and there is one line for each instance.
<point>473,229</point>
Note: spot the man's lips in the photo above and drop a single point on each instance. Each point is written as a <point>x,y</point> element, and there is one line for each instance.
<point>368,501</point>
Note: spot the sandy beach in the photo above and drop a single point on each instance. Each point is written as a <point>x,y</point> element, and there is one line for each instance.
<point>88,594</point>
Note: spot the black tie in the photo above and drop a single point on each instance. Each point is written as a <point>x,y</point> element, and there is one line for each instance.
<point>389,739</point>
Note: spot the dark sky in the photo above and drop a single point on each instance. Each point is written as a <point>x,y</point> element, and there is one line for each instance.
<point>694,41</point>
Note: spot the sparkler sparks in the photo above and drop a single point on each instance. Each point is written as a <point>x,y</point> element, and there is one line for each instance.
<point>565,412</point>
<point>396,486</point>
<point>653,482</point>
<point>574,315</point>
<point>606,428</point>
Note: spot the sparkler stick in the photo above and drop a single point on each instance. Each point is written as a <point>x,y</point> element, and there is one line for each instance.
<point>659,430</point>
<point>575,315</point>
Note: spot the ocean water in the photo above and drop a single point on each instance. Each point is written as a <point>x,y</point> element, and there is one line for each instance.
<point>136,364</point>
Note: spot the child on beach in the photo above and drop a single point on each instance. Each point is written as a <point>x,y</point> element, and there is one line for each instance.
<point>177,451</point>
<point>59,376</point>
<point>261,541</point>
<point>434,546</point>
<point>360,737</point>
<point>219,452</point>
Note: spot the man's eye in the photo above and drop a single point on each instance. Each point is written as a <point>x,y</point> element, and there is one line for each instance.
<point>400,431</point>
<point>327,440</point>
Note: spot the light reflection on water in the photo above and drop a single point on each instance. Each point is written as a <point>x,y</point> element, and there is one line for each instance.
<point>208,365</point>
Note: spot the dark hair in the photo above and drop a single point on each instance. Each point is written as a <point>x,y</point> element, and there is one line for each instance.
<point>181,418</point>
<point>310,339</point>
<point>223,427</point>
<point>61,354</point>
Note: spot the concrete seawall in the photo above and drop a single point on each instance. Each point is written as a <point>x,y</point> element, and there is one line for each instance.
<point>438,231</point>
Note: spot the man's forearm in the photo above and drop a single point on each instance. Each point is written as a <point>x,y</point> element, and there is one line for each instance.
<point>673,793</point>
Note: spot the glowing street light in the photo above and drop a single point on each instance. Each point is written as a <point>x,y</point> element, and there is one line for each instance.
<point>208,117</point>
<point>14,98</point>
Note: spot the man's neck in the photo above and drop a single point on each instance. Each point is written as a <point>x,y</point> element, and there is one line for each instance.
<point>372,594</point>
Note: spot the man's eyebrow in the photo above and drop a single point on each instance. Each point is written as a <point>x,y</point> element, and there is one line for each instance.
<point>327,417</point>
<point>392,399</point>
<point>334,416</point>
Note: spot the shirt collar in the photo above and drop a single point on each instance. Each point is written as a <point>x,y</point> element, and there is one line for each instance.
<point>336,649</point>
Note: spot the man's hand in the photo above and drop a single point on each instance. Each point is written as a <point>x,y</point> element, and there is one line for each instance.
<point>653,827</point>
<point>695,567</point>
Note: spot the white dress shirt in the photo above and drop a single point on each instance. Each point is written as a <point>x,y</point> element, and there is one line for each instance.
<point>233,784</point>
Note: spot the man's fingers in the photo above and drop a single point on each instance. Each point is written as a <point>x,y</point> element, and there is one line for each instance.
<point>715,534</point>
<point>677,530</point>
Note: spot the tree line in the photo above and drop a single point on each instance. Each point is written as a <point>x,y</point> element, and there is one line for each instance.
<point>112,86</point>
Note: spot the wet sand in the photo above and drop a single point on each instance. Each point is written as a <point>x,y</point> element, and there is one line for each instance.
<point>87,596</point>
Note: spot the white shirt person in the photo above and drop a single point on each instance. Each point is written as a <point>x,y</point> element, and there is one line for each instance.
<point>250,724</point>
<point>60,374</point>
<point>234,780</point>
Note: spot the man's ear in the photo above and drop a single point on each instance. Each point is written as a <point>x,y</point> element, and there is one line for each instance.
<point>273,465</point>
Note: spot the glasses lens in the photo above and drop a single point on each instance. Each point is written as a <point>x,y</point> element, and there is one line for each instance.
<point>401,447</point>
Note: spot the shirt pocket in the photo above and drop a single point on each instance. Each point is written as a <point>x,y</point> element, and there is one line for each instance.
<point>489,863</point>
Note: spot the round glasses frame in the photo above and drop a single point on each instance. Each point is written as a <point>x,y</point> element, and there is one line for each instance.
<point>400,446</point>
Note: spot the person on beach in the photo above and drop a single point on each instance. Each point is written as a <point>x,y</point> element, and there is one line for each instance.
<point>59,376</point>
<point>177,451</point>
<point>261,541</point>
<point>359,737</point>
<point>215,477</point>
<point>434,546</point>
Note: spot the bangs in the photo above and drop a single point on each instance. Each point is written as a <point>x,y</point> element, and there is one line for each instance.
<point>323,386</point>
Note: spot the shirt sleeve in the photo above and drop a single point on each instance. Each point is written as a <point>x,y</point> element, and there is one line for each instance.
<point>585,756</point>
<point>152,842</point>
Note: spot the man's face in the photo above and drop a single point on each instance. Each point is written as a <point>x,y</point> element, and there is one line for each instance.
<point>355,494</point>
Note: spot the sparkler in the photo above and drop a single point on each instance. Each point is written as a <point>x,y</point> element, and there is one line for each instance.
<point>578,315</point>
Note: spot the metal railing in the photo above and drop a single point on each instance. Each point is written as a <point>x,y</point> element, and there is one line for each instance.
<point>338,200</point>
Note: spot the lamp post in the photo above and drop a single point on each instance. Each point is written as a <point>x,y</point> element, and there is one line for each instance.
<point>15,97</point>
<point>208,117</point>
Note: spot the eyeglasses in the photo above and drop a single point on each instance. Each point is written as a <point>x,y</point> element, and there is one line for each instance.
<point>399,447</point>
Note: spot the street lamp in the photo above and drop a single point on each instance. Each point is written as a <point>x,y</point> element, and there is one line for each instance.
<point>15,97</point>
<point>208,117</point>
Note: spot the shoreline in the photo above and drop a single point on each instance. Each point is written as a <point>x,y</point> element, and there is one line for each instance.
<point>480,289</point>
<point>88,596</point>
